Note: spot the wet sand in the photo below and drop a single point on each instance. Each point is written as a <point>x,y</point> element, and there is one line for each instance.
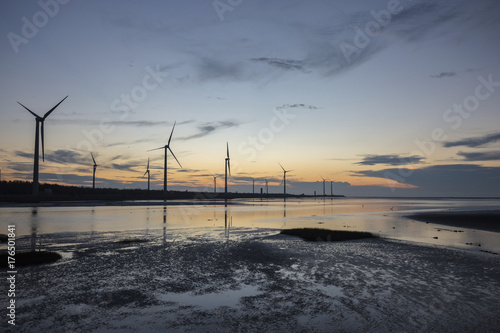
<point>255,281</point>
<point>488,220</point>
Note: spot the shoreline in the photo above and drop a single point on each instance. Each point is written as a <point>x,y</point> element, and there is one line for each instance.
<point>486,220</point>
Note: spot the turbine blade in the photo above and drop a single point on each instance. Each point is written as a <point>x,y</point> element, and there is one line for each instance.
<point>170,138</point>
<point>43,144</point>
<point>50,111</point>
<point>227,143</point>
<point>174,157</point>
<point>157,148</point>
<point>281,166</point>
<point>33,113</point>
<point>148,164</point>
<point>93,159</point>
<point>229,166</point>
<point>145,173</point>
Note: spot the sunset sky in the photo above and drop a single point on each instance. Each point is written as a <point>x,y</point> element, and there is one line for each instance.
<point>386,98</point>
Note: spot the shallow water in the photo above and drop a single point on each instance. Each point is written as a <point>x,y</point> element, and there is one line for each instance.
<point>383,217</point>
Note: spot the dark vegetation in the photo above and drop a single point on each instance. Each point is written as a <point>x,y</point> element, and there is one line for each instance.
<point>133,240</point>
<point>320,235</point>
<point>30,258</point>
<point>20,191</point>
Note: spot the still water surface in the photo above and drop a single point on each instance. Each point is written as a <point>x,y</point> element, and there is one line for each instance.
<point>384,217</point>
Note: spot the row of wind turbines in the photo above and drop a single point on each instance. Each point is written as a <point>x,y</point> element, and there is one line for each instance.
<point>39,123</point>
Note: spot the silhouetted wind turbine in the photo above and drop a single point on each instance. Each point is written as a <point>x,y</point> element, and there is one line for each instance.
<point>95,167</point>
<point>147,172</point>
<point>167,147</point>
<point>284,180</point>
<point>267,188</point>
<point>331,187</point>
<point>253,186</point>
<point>39,120</point>
<point>227,167</point>
<point>323,185</point>
<point>215,183</point>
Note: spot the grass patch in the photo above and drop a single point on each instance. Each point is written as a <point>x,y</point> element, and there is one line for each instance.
<point>31,258</point>
<point>132,240</point>
<point>325,235</point>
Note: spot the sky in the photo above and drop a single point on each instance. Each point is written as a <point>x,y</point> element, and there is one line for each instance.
<point>383,98</point>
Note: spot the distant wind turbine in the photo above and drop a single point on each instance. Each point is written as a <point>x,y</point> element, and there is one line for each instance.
<point>215,183</point>
<point>331,187</point>
<point>324,194</point>
<point>95,167</point>
<point>227,168</point>
<point>36,157</point>
<point>267,188</point>
<point>253,186</point>
<point>167,147</point>
<point>284,179</point>
<point>147,172</point>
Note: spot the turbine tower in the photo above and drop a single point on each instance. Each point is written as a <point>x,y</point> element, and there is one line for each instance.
<point>267,188</point>
<point>324,193</point>
<point>331,187</point>
<point>215,183</point>
<point>253,186</point>
<point>227,167</point>
<point>167,147</point>
<point>95,167</point>
<point>36,156</point>
<point>284,180</point>
<point>147,172</point>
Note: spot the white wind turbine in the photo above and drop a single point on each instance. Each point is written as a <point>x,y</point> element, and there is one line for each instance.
<point>227,167</point>
<point>284,179</point>
<point>36,157</point>
<point>147,172</point>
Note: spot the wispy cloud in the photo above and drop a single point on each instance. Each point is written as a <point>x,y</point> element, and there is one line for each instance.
<point>480,156</point>
<point>284,64</point>
<point>393,159</point>
<point>297,106</point>
<point>443,74</point>
<point>474,142</point>
<point>210,127</point>
<point>67,156</point>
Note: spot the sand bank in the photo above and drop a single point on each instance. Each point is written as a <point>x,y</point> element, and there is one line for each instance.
<point>488,220</point>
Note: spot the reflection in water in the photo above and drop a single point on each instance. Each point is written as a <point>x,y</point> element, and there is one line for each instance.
<point>34,226</point>
<point>164,225</point>
<point>226,226</point>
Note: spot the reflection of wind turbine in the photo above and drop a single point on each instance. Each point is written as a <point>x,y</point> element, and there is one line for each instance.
<point>284,180</point>
<point>167,147</point>
<point>95,167</point>
<point>215,183</point>
<point>324,194</point>
<point>147,172</point>
<point>36,156</point>
<point>227,167</point>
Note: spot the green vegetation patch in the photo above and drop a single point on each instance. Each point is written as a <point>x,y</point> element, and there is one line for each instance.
<point>30,258</point>
<point>325,235</point>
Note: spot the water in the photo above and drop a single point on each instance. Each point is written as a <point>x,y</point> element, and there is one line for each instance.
<point>383,217</point>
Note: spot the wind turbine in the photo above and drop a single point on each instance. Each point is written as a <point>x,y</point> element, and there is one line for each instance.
<point>95,167</point>
<point>331,187</point>
<point>284,180</point>
<point>167,147</point>
<point>215,183</point>
<point>147,172</point>
<point>323,185</point>
<point>253,186</point>
<point>36,157</point>
<point>267,188</point>
<point>227,167</point>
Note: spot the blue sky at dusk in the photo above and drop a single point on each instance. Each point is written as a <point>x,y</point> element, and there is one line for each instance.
<point>385,98</point>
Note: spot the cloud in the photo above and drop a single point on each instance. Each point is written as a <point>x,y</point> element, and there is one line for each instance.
<point>474,142</point>
<point>88,122</point>
<point>295,106</point>
<point>23,154</point>
<point>443,180</point>
<point>480,156</point>
<point>67,156</point>
<point>391,160</point>
<point>443,74</point>
<point>209,127</point>
<point>283,64</point>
